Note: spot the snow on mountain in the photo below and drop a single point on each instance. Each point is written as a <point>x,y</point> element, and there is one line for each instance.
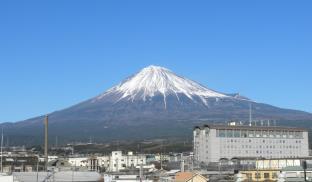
<point>155,80</point>
<point>154,103</point>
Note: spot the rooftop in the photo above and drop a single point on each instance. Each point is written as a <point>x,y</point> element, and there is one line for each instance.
<point>246,127</point>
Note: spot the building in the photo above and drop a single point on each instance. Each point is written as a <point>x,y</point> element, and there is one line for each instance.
<point>215,142</point>
<point>267,169</point>
<point>124,178</point>
<point>6,178</point>
<point>73,176</point>
<point>78,161</point>
<point>115,162</point>
<point>118,161</point>
<point>294,174</point>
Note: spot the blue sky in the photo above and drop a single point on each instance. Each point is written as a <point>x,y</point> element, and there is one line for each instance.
<point>54,54</point>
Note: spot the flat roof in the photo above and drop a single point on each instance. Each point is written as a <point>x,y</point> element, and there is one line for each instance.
<point>246,127</point>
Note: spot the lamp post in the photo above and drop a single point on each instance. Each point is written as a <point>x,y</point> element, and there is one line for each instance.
<point>304,166</point>
<point>37,169</point>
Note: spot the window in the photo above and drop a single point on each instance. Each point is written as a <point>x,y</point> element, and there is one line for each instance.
<point>284,134</point>
<point>291,134</point>
<point>251,133</point>
<point>222,133</point>
<point>278,134</point>
<point>298,134</point>
<point>257,175</point>
<point>197,132</point>
<point>249,176</point>
<point>266,175</point>
<point>258,133</point>
<point>236,133</point>
<point>229,133</point>
<point>244,133</point>
<point>206,131</point>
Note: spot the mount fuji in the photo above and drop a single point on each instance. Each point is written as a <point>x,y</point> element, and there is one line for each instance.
<point>155,102</point>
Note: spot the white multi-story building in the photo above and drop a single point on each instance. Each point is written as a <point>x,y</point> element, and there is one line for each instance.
<point>118,161</point>
<point>78,161</point>
<point>215,142</point>
<point>115,162</point>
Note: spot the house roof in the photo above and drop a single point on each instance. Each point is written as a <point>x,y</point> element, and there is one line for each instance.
<point>186,176</point>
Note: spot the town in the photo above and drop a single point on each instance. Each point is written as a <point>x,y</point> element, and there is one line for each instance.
<point>221,152</point>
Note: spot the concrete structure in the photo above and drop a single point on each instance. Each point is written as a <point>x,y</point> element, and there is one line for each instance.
<point>124,178</point>
<point>115,162</point>
<point>64,176</point>
<point>78,161</point>
<point>294,174</point>
<point>6,178</point>
<point>50,158</point>
<point>118,161</point>
<point>215,142</point>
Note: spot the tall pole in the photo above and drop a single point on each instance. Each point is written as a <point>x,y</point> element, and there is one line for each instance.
<point>1,149</point>
<point>161,149</point>
<point>46,142</point>
<point>182,163</point>
<point>37,169</point>
<point>56,141</point>
<point>250,114</point>
<point>304,166</point>
<point>141,172</point>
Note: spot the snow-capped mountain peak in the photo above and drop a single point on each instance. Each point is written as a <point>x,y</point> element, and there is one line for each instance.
<point>155,80</point>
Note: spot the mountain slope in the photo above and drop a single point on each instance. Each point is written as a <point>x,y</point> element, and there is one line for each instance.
<point>155,102</point>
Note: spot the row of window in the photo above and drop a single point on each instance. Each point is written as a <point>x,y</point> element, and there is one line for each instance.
<point>259,133</point>
<point>258,175</point>
<point>262,147</point>
<point>257,141</point>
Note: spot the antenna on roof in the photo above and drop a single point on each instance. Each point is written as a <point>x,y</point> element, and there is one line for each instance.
<point>250,117</point>
<point>56,141</point>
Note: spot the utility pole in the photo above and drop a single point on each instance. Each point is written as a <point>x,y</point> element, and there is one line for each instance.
<point>182,163</point>
<point>56,141</point>
<point>141,172</point>
<point>250,114</point>
<point>37,169</point>
<point>1,150</point>
<point>161,150</point>
<point>46,142</point>
<point>304,166</point>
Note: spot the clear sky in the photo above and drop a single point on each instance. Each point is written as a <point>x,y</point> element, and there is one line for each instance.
<point>54,54</point>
